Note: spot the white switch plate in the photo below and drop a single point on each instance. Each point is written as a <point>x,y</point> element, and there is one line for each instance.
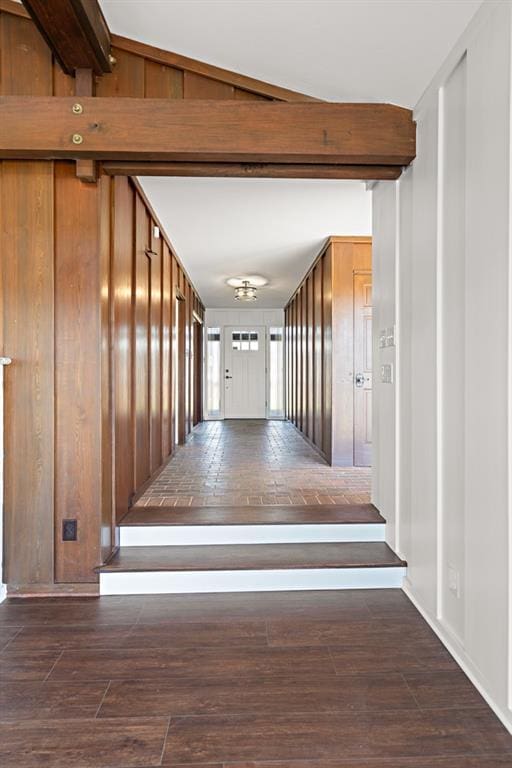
<point>382,339</point>
<point>156,232</point>
<point>386,373</point>
<point>390,336</point>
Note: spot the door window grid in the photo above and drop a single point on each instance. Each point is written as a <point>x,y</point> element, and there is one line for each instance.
<point>245,341</point>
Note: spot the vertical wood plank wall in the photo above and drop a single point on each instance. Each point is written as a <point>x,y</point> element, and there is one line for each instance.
<point>319,356</point>
<point>89,316</point>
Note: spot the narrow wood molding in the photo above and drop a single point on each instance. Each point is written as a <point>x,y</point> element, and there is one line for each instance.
<point>255,170</point>
<point>76,32</point>
<point>171,59</point>
<point>15,9</point>
<point>198,131</point>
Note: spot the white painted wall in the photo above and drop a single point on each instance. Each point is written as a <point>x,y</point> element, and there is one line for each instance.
<point>442,273</point>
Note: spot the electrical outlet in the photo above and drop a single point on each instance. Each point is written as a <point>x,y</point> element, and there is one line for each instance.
<point>69,530</point>
<point>453,580</point>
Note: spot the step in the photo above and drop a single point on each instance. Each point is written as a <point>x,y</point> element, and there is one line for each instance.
<point>173,526</point>
<point>252,567</point>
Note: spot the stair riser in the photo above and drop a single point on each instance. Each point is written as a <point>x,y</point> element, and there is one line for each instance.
<point>174,535</point>
<point>180,582</point>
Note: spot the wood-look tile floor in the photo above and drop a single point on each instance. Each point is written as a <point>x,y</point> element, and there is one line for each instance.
<point>250,463</point>
<point>352,679</point>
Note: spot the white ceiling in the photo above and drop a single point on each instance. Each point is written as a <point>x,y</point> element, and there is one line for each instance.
<point>341,50</point>
<point>222,228</point>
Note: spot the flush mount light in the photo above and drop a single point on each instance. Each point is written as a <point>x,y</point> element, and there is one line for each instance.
<point>256,280</point>
<point>245,292</point>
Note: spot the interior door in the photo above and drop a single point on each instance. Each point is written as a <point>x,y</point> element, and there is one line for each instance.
<point>244,372</point>
<point>362,369</point>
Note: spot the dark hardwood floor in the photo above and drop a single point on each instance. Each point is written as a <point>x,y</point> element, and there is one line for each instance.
<point>352,679</point>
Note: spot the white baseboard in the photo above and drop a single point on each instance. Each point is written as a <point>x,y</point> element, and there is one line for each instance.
<point>173,535</point>
<point>175,582</point>
<point>462,659</point>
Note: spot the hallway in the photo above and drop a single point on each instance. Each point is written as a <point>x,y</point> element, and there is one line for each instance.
<point>253,463</point>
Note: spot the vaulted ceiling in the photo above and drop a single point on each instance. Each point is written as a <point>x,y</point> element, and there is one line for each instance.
<point>339,50</point>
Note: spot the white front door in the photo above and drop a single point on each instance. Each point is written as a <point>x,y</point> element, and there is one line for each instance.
<point>244,372</point>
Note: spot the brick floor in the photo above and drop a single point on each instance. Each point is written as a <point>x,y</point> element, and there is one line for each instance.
<point>233,463</point>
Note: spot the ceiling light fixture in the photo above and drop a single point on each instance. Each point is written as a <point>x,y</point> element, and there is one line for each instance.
<point>245,292</point>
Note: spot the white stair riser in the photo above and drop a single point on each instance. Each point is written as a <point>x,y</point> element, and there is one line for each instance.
<point>180,582</point>
<point>174,535</point>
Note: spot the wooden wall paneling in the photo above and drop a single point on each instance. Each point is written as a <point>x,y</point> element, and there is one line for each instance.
<point>122,292</point>
<point>141,368</point>
<point>299,359</point>
<point>174,348</point>
<point>200,87</point>
<point>310,358</point>
<point>343,354</point>
<point>304,359</point>
<point>78,425</point>
<point>108,527</point>
<point>162,82</point>
<point>27,245</point>
<point>190,358</point>
<point>156,349</point>
<point>127,77</point>
<point>348,257</point>
<point>293,377</point>
<point>318,394</point>
<point>242,95</point>
<point>327,353</point>
<point>181,411</point>
<point>26,61</point>
<point>166,350</point>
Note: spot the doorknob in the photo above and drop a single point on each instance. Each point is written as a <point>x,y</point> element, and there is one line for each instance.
<point>359,379</point>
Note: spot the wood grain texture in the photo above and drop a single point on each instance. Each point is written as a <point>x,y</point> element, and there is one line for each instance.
<point>327,736</point>
<point>122,266</point>
<point>197,86</point>
<point>274,515</point>
<point>78,435</point>
<point>126,79</point>
<point>99,743</point>
<point>208,71</point>
<point>198,130</point>
<point>76,33</point>
<point>142,342</point>
<point>155,335</point>
<point>324,384</point>
<point>253,557</point>
<point>254,170</point>
<point>27,233</point>
<point>162,82</point>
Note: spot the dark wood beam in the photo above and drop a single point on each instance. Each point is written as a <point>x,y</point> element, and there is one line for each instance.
<point>76,32</point>
<point>212,131</point>
<point>86,169</point>
<point>256,170</point>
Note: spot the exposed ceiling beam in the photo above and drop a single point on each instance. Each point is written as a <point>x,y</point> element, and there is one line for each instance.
<point>76,32</point>
<point>255,170</point>
<point>214,131</point>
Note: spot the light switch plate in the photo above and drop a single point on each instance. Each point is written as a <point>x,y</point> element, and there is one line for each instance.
<point>382,339</point>
<point>386,373</point>
<point>390,336</point>
<point>156,232</point>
